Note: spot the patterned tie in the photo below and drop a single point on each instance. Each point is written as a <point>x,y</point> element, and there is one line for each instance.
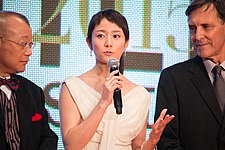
<point>219,86</point>
<point>13,83</point>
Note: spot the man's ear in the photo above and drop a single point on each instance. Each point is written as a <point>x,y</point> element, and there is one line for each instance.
<point>89,43</point>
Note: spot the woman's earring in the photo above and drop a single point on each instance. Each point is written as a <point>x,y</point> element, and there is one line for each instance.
<point>91,53</point>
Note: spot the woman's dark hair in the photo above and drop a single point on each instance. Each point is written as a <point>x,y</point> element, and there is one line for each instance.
<point>112,16</point>
<point>218,4</point>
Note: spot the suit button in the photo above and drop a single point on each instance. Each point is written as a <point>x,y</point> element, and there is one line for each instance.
<point>12,140</point>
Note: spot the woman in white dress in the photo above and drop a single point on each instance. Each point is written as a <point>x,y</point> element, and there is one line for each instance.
<point>88,117</point>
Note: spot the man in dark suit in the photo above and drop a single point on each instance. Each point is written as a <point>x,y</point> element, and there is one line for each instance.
<point>23,117</point>
<point>187,88</point>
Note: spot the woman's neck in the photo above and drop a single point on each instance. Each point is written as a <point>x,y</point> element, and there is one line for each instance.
<point>101,70</point>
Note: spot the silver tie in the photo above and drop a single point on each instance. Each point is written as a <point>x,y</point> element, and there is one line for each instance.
<point>219,86</point>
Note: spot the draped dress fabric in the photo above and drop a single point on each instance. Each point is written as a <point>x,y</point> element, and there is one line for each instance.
<point>115,132</point>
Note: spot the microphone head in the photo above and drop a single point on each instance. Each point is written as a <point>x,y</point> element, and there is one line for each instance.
<point>113,62</point>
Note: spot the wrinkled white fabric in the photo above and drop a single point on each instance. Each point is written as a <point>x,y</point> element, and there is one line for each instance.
<point>115,132</point>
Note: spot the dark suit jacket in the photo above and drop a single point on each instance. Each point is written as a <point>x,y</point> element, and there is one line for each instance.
<point>34,135</point>
<point>185,89</point>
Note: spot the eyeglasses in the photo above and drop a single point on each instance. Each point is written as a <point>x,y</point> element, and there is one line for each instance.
<point>31,45</point>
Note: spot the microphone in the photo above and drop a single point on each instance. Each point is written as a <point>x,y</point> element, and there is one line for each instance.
<point>113,64</point>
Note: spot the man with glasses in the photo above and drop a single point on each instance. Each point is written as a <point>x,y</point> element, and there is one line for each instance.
<point>23,117</point>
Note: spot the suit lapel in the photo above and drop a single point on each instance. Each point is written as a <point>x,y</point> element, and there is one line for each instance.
<point>2,134</point>
<point>1,123</point>
<point>202,82</point>
<point>2,126</point>
<point>24,113</point>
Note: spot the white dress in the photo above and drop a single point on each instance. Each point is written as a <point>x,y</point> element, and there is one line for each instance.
<point>115,132</point>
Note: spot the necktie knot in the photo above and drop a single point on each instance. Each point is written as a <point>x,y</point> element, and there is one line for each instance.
<point>12,83</point>
<point>217,70</point>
